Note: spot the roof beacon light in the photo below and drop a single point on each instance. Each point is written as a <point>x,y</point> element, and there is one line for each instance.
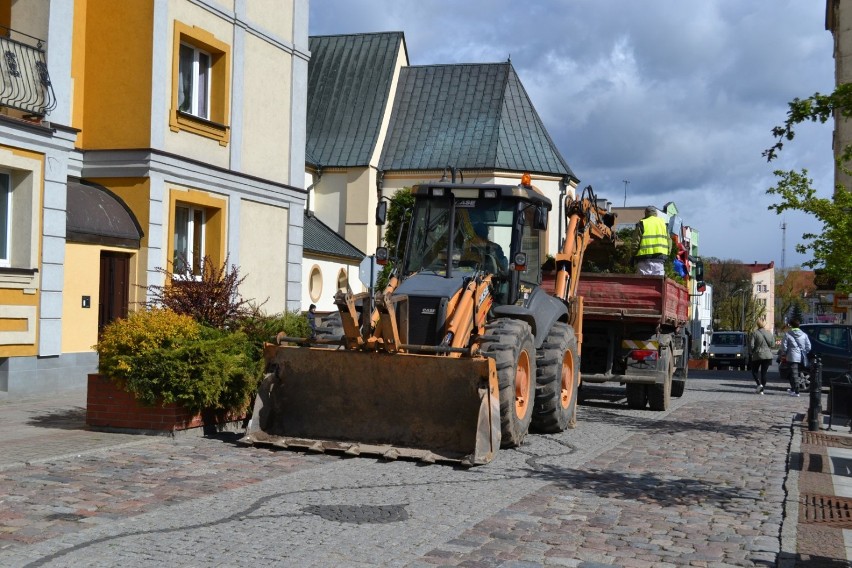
<point>526,180</point>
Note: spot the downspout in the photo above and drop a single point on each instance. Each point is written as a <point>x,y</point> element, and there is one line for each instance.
<point>563,190</point>
<point>380,177</point>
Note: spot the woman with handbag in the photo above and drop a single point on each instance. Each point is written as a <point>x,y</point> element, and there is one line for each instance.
<point>761,355</point>
<point>794,349</point>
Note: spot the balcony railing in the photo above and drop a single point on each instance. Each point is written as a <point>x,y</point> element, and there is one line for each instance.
<point>24,80</point>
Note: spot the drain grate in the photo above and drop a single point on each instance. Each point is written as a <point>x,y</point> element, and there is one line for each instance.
<point>820,439</point>
<point>359,514</point>
<point>825,510</point>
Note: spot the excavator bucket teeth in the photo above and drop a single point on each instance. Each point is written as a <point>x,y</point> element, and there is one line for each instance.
<point>423,407</point>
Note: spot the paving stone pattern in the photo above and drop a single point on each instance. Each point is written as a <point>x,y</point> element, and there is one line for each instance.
<point>700,485</point>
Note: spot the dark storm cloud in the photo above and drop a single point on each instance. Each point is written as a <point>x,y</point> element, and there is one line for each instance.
<point>678,97</point>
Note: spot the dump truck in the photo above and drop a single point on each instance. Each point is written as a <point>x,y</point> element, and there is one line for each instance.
<point>462,352</point>
<point>634,332</point>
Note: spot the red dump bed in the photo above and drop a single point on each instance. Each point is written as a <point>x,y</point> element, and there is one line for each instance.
<point>633,297</point>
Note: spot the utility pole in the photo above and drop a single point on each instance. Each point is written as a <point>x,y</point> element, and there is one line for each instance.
<point>625,191</point>
<point>783,241</point>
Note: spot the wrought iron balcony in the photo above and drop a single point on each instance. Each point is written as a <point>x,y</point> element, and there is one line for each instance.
<point>24,81</point>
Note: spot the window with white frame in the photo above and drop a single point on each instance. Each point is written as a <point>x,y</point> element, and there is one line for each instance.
<point>189,240</point>
<point>5,219</point>
<point>194,76</point>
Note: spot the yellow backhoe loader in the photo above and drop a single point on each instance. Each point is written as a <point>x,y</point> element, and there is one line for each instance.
<point>463,351</point>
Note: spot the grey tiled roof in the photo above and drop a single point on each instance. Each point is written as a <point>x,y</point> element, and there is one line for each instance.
<point>471,116</point>
<point>349,81</point>
<point>319,238</point>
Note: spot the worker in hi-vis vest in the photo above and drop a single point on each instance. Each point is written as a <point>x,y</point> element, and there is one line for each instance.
<point>654,244</point>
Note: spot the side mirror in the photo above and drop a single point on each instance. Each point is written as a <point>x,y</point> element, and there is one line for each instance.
<point>699,272</point>
<point>381,212</point>
<point>540,221</point>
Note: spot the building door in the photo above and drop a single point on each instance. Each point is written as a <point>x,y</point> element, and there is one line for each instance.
<point>114,287</point>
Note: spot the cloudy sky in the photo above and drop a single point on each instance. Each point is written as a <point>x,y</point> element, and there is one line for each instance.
<point>678,97</point>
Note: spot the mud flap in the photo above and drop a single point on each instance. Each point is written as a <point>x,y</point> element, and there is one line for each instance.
<point>426,407</point>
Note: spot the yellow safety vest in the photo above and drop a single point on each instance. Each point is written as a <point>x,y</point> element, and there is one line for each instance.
<point>655,239</point>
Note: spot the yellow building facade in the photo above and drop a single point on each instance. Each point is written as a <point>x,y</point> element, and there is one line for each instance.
<point>168,132</point>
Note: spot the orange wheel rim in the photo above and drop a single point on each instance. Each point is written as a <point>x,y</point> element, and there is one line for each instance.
<point>567,386</point>
<point>522,385</point>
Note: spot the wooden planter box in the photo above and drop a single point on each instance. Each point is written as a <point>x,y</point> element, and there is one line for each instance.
<point>107,406</point>
<point>697,364</point>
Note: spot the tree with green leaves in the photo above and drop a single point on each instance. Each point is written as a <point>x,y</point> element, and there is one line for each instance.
<point>396,230</point>
<point>733,296</point>
<point>832,248</point>
<point>792,285</point>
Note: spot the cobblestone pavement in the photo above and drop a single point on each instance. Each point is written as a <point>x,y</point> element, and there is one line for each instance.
<point>700,485</point>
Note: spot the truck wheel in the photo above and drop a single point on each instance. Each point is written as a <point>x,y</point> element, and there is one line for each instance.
<point>510,343</point>
<point>637,396</point>
<point>678,386</point>
<point>557,380</point>
<point>659,395</point>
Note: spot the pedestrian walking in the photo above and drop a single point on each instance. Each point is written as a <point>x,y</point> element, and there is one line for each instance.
<point>794,352</point>
<point>761,355</point>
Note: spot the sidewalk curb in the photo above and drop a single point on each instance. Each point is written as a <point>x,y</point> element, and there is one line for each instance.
<point>790,523</point>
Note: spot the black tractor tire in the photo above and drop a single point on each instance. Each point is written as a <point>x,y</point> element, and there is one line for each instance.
<point>510,343</point>
<point>557,381</point>
<point>660,394</point>
<point>678,387</point>
<point>637,396</point>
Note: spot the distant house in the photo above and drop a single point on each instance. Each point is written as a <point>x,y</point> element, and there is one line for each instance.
<point>330,263</point>
<point>376,125</point>
<point>763,289</point>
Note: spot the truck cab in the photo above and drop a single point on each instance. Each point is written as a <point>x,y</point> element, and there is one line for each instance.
<point>729,349</point>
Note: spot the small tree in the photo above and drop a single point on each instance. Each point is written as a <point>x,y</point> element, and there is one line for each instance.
<point>791,287</point>
<point>212,300</point>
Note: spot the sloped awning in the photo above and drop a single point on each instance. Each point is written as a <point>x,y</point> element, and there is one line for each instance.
<point>96,215</point>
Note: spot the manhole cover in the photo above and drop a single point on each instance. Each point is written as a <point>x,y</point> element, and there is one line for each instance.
<point>826,509</point>
<point>359,513</point>
<point>65,517</point>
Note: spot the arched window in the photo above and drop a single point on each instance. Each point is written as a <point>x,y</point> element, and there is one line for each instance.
<point>315,284</point>
<point>342,280</point>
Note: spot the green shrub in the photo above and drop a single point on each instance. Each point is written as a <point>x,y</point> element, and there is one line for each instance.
<point>214,371</point>
<point>261,327</point>
<point>124,340</point>
<point>161,356</point>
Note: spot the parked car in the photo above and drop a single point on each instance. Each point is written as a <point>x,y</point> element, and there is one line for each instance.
<point>833,342</point>
<point>729,349</point>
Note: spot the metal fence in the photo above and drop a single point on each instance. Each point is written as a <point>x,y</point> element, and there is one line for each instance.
<point>24,80</point>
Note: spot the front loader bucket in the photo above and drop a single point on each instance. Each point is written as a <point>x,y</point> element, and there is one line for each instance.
<point>425,407</point>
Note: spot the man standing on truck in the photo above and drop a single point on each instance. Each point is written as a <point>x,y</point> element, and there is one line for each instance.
<point>654,244</point>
